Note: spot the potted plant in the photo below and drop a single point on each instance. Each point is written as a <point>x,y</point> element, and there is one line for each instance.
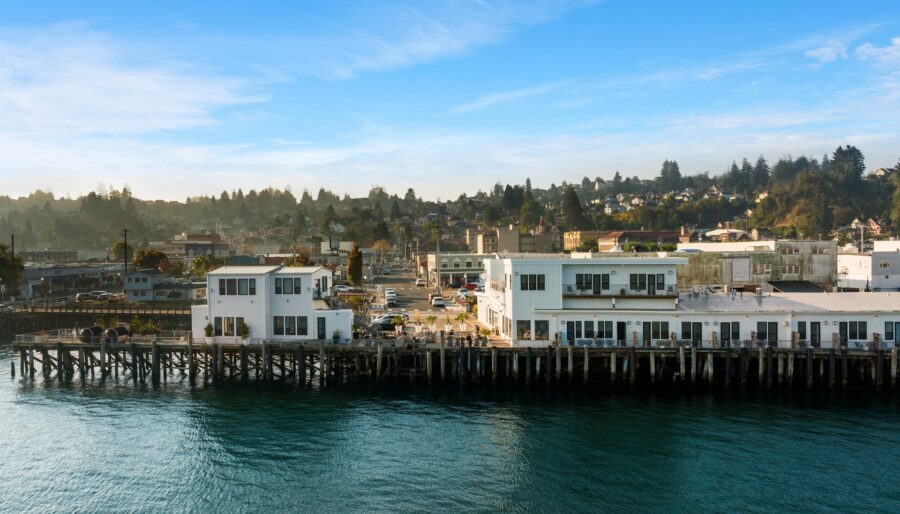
<point>208,332</point>
<point>243,330</point>
<point>336,336</point>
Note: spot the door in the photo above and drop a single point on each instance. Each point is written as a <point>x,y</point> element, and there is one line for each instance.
<point>696,333</point>
<point>320,328</point>
<point>621,335</point>
<point>815,333</point>
<point>570,331</point>
<point>773,332</point>
<point>651,285</point>
<point>597,284</point>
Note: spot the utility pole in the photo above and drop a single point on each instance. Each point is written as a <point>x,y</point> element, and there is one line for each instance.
<point>437,258</point>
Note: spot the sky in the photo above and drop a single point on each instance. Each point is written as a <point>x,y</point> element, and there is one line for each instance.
<point>178,99</point>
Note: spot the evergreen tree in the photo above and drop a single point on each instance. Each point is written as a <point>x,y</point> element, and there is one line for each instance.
<point>395,211</point>
<point>760,176</point>
<point>574,211</point>
<point>355,265</point>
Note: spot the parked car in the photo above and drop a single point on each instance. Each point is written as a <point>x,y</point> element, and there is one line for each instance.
<point>341,289</point>
<point>479,289</point>
<point>390,290</point>
<point>6,308</point>
<point>391,302</point>
<point>471,286</point>
<point>85,297</point>
<point>437,302</point>
<point>420,282</point>
<point>462,292</point>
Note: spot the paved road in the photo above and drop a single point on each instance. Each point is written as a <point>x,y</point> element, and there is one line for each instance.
<point>411,298</point>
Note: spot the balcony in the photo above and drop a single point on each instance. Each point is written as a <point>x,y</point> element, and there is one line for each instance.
<point>573,291</point>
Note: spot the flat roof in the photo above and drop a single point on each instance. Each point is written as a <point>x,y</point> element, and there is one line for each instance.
<point>244,270</point>
<point>298,269</point>
<point>583,259</point>
<point>792,302</point>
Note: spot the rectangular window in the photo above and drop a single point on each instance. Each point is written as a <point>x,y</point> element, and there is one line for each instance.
<point>726,331</point>
<point>252,287</point>
<point>842,330</point>
<point>222,286</point>
<point>646,332</point>
<point>578,330</point>
<point>302,327</point>
<point>579,282</point>
<point>524,282</point>
<point>686,330</point>
<point>801,330</point>
<point>231,286</point>
<point>633,282</point>
<point>297,288</point>
<point>532,282</point>
<point>762,331</point>
<point>540,282</point>
<point>884,264</point>
<point>588,329</point>
<point>888,330</point>
<point>279,325</point>
<point>217,330</point>
<point>660,282</point>
<point>523,329</point>
<point>278,286</point>
<point>735,331</point>
<point>604,280</point>
<point>541,329</point>
<point>228,326</point>
<point>243,287</point>
<point>290,326</point>
<point>642,282</point>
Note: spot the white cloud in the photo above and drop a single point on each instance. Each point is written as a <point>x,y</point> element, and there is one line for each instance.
<point>501,97</point>
<point>886,56</point>
<point>833,50</point>
<point>67,80</point>
<point>408,36</point>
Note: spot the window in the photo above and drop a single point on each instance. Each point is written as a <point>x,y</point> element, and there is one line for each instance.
<point>302,326</point>
<point>243,287</point>
<point>523,329</point>
<point>660,282</point>
<point>642,282</point>
<point>605,330</point>
<point>252,287</point>
<point>884,264</point>
<point>278,286</point>
<point>279,325</point>
<point>790,269</point>
<point>801,330</point>
<point>456,264</point>
<point>588,329</point>
<point>290,326</point>
<point>541,329</point>
<point>580,281</point>
<point>443,264</point>
<point>853,330</point>
<point>480,264</point>
<point>222,286</point>
<point>231,286</point>
<point>731,331</point>
<point>762,269</point>
<point>531,282</point>
<point>604,281</point>
<point>228,326</point>
<point>297,288</point>
<point>656,330</point>
<point>767,331</point>
<point>217,329</point>
<point>468,263</point>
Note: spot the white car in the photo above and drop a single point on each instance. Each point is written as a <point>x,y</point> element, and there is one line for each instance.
<point>341,289</point>
<point>437,302</point>
<point>390,290</point>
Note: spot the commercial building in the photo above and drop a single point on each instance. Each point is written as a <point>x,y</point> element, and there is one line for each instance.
<point>276,303</point>
<point>511,240</point>
<point>878,270</point>
<point>186,247</point>
<point>614,241</point>
<point>633,301</point>
<point>742,263</point>
<point>150,285</point>
<point>454,268</point>
<point>573,239</point>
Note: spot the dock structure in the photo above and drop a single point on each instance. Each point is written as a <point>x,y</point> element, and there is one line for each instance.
<point>157,360</point>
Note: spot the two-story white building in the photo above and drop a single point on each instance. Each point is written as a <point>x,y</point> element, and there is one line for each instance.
<point>277,303</point>
<point>633,300</point>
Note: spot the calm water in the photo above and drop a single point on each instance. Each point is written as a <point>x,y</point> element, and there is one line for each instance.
<point>254,448</point>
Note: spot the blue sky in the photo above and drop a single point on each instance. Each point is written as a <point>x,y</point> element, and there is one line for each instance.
<point>184,98</point>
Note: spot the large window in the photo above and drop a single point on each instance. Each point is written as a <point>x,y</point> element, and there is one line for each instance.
<point>655,330</point>
<point>228,326</point>
<point>237,286</point>
<point>541,329</point>
<point>523,329</point>
<point>731,331</point>
<point>645,282</point>
<point>605,330</point>
<point>854,330</point>
<point>291,326</point>
<point>288,286</point>
<point>279,325</point>
<point>532,282</point>
<point>767,331</point>
<point>302,326</point>
<point>596,282</point>
<point>217,328</point>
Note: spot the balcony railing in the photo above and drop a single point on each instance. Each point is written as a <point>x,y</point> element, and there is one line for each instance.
<point>576,291</point>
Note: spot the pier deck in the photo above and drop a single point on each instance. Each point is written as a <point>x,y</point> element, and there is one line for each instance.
<point>155,360</point>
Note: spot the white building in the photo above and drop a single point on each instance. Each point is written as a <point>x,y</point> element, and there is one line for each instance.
<point>455,268</point>
<point>276,303</point>
<point>878,270</point>
<point>633,300</point>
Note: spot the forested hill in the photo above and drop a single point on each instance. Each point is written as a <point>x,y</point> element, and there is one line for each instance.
<point>802,197</point>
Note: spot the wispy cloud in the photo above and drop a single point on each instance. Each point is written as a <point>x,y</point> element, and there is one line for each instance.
<point>501,97</point>
<point>885,56</point>
<point>68,80</point>
<point>421,33</point>
<point>833,50</point>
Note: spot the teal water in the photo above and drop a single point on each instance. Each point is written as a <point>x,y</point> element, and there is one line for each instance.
<point>234,448</point>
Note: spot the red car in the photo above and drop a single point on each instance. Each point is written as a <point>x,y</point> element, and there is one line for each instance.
<point>471,286</point>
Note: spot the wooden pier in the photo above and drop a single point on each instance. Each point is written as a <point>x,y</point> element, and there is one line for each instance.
<point>159,360</point>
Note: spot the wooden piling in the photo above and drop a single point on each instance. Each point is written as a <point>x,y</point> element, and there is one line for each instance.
<point>154,366</point>
<point>893,367</point>
<point>378,360</point>
<point>632,367</point>
<point>301,364</point>
<point>844,371</point>
<point>81,364</point>
<point>558,370</point>
<point>727,367</point>
<point>693,363</point>
<point>443,361</point>
<point>652,368</point>
<point>790,369</point>
<point>831,368</point>
<point>494,366</point>
<point>809,368</point>
<point>514,355</point>
<point>428,367</point>
<point>103,354</point>
<point>30,363</point>
<point>587,362</point>
<point>528,365</point>
<point>681,364</point>
<point>613,368</point>
<point>761,367</point>
<point>570,364</point>
<point>192,367</point>
<point>879,368</point>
